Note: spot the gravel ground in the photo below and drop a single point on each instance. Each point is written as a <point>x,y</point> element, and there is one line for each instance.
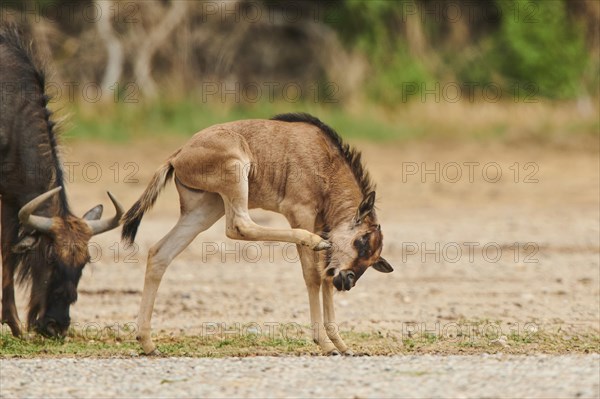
<point>540,376</point>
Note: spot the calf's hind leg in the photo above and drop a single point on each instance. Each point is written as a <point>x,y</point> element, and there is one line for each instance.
<point>199,211</point>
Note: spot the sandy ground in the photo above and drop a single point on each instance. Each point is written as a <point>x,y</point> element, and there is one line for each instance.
<point>521,248</point>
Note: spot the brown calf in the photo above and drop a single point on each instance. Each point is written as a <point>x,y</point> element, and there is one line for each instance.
<point>318,183</point>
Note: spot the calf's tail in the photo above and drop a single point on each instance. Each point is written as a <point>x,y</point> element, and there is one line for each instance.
<point>132,218</point>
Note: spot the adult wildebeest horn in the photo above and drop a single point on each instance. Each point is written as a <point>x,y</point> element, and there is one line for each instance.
<point>39,223</point>
<point>44,224</point>
<point>100,226</point>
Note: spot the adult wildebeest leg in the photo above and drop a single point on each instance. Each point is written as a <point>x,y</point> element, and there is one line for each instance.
<point>240,226</point>
<point>10,231</point>
<point>329,318</point>
<point>199,211</point>
<point>313,280</point>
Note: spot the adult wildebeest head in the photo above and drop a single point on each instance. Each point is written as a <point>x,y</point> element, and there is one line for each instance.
<point>40,236</point>
<point>65,253</point>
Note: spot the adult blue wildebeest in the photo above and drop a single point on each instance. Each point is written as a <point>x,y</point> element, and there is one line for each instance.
<point>318,183</point>
<point>50,247</point>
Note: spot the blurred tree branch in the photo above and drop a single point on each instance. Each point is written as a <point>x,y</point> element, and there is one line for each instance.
<point>114,64</point>
<point>154,41</point>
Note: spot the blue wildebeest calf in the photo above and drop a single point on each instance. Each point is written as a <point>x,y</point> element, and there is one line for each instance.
<point>329,205</point>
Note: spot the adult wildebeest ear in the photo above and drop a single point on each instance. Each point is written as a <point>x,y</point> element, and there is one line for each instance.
<point>94,214</point>
<point>365,207</point>
<point>26,244</point>
<point>382,266</point>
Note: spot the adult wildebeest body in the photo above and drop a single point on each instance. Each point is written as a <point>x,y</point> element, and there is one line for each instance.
<point>50,247</point>
<point>292,164</point>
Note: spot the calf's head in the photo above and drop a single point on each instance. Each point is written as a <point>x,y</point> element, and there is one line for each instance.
<point>65,254</point>
<point>356,247</point>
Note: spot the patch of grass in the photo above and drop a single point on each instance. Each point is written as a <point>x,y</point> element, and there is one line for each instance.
<point>37,346</point>
<point>537,122</point>
<point>430,338</point>
<point>375,343</point>
<point>122,122</point>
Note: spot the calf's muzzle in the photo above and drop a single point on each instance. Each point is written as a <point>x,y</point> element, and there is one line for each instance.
<point>345,280</point>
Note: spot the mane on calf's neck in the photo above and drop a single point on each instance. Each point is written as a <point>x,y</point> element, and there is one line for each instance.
<point>346,194</point>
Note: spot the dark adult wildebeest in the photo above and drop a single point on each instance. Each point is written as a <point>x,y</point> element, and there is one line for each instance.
<point>50,248</point>
<point>318,183</point>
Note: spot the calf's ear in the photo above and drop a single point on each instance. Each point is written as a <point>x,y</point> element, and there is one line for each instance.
<point>382,266</point>
<point>365,207</point>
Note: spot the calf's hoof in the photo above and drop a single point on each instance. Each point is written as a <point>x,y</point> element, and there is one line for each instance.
<point>155,352</point>
<point>322,245</point>
<point>147,346</point>
<point>334,352</point>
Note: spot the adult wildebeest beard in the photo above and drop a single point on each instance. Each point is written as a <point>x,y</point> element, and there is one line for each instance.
<point>40,238</point>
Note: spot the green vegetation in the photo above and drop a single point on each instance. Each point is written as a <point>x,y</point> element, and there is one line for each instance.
<point>540,46</point>
<point>374,28</point>
<point>539,123</point>
<point>121,122</point>
<point>517,70</point>
<point>522,46</point>
<point>478,340</point>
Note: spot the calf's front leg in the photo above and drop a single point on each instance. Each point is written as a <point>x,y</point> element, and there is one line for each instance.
<point>313,280</point>
<point>329,318</point>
